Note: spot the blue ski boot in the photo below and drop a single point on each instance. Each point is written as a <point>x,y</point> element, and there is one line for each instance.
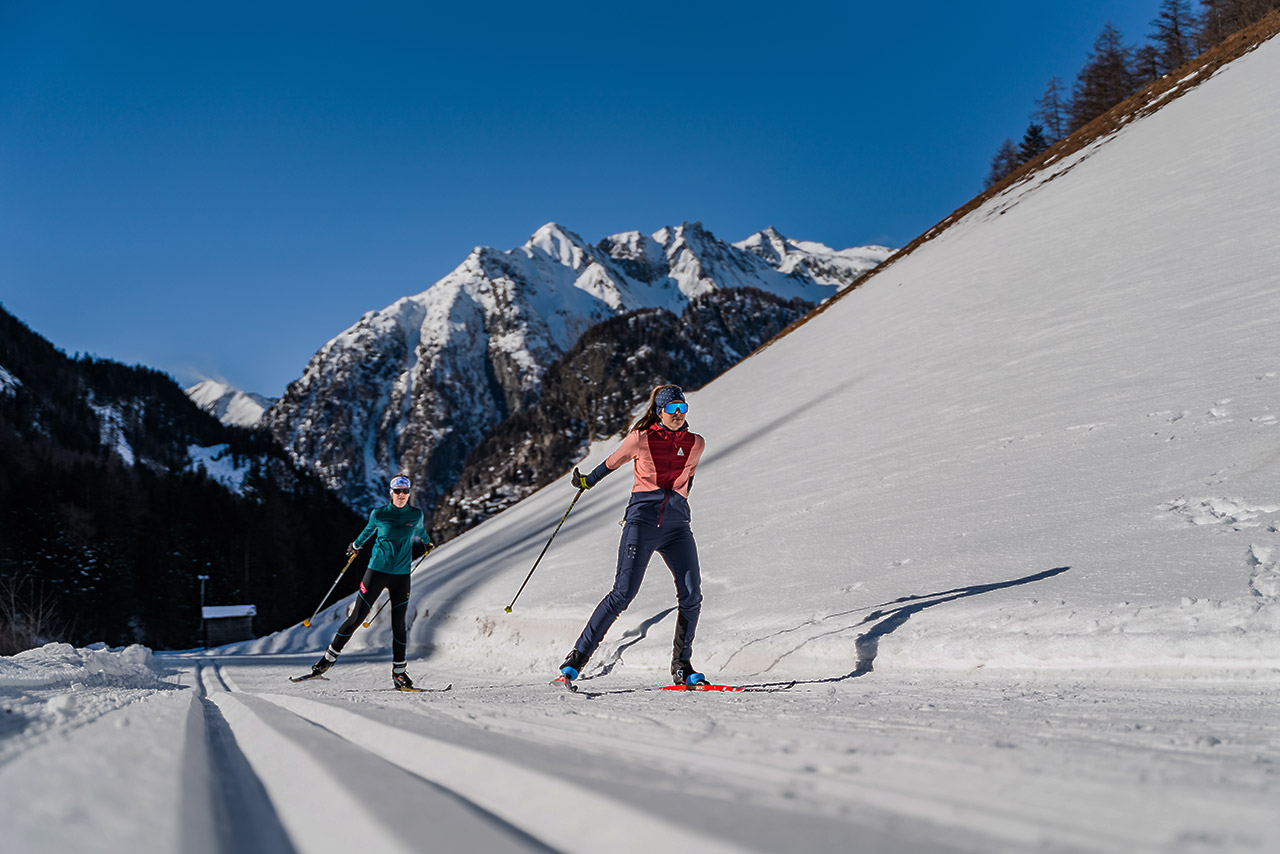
<point>569,671</point>
<point>682,673</point>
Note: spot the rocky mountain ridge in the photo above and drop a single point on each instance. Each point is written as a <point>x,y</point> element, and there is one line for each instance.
<point>417,385</point>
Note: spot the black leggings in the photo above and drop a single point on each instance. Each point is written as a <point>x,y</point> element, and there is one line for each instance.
<point>370,586</point>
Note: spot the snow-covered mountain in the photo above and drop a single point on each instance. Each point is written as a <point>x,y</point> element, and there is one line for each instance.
<point>415,386</point>
<point>228,404</point>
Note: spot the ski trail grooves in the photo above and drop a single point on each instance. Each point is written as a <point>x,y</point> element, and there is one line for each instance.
<point>304,791</point>
<point>529,800</point>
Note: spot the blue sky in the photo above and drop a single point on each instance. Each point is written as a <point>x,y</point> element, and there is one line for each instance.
<point>216,190</point>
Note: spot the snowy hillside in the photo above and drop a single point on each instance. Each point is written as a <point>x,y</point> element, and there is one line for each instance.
<point>1061,414</point>
<point>417,385</point>
<point>229,405</point>
<point>1015,542</point>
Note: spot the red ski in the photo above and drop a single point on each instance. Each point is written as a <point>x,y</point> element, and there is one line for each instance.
<point>707,686</point>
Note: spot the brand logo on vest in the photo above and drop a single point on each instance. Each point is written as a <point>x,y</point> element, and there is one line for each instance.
<point>679,452</point>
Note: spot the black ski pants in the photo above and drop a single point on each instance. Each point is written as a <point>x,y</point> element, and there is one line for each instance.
<point>370,586</point>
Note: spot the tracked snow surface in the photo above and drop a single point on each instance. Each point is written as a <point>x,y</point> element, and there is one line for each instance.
<point>1008,515</point>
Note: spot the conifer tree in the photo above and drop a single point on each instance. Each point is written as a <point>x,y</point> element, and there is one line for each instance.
<point>1105,80</point>
<point>1004,163</point>
<point>1146,65</point>
<point>1054,110</point>
<point>1173,37</point>
<point>1033,143</point>
<point>1221,18</point>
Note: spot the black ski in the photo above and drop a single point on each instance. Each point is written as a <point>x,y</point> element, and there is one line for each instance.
<point>414,690</point>
<point>417,690</point>
<point>307,677</point>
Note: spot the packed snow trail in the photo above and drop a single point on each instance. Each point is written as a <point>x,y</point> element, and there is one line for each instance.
<point>928,763</point>
<point>228,756</point>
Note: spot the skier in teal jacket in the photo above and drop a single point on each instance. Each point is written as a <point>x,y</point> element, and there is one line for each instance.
<point>394,525</point>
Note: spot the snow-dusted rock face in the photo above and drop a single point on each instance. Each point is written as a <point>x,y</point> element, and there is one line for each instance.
<point>816,261</point>
<point>230,405</point>
<point>415,386</point>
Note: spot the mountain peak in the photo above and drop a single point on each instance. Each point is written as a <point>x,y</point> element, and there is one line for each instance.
<point>560,245</point>
<point>228,404</point>
<point>768,244</point>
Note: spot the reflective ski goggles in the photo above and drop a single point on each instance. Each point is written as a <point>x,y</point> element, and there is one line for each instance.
<point>676,406</point>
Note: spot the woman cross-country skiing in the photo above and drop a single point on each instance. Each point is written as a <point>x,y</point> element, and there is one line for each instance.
<point>666,454</point>
<point>394,525</point>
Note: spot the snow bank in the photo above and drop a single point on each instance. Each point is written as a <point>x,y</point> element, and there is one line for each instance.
<point>60,665</point>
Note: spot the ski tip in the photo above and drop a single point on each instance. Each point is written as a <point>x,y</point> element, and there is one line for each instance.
<point>307,677</point>
<point>565,683</point>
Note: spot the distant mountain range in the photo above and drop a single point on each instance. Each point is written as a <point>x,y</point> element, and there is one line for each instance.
<point>417,385</point>
<point>230,405</point>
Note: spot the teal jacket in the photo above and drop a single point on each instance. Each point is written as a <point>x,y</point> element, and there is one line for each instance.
<point>393,550</point>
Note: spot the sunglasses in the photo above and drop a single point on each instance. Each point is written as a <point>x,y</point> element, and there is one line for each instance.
<point>399,492</point>
<point>676,406</point>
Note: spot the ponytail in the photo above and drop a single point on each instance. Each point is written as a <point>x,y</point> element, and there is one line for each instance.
<point>650,416</point>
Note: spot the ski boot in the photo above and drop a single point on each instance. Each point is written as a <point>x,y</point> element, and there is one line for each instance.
<point>318,669</point>
<point>400,679</point>
<point>573,664</point>
<point>682,673</point>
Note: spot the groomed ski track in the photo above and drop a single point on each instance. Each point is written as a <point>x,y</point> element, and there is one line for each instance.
<point>891,763</point>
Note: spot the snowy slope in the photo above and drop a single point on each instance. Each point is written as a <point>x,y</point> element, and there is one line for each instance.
<point>1016,542</point>
<point>229,405</point>
<point>1064,379</point>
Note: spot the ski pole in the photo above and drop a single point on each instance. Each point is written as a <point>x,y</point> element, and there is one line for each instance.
<point>388,599</point>
<point>377,612</point>
<point>307,621</point>
<point>544,548</point>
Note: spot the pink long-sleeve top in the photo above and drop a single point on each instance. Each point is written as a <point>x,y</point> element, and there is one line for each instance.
<point>665,462</point>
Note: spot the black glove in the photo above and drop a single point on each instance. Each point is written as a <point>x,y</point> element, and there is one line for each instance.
<point>580,479</point>
<point>352,549</point>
